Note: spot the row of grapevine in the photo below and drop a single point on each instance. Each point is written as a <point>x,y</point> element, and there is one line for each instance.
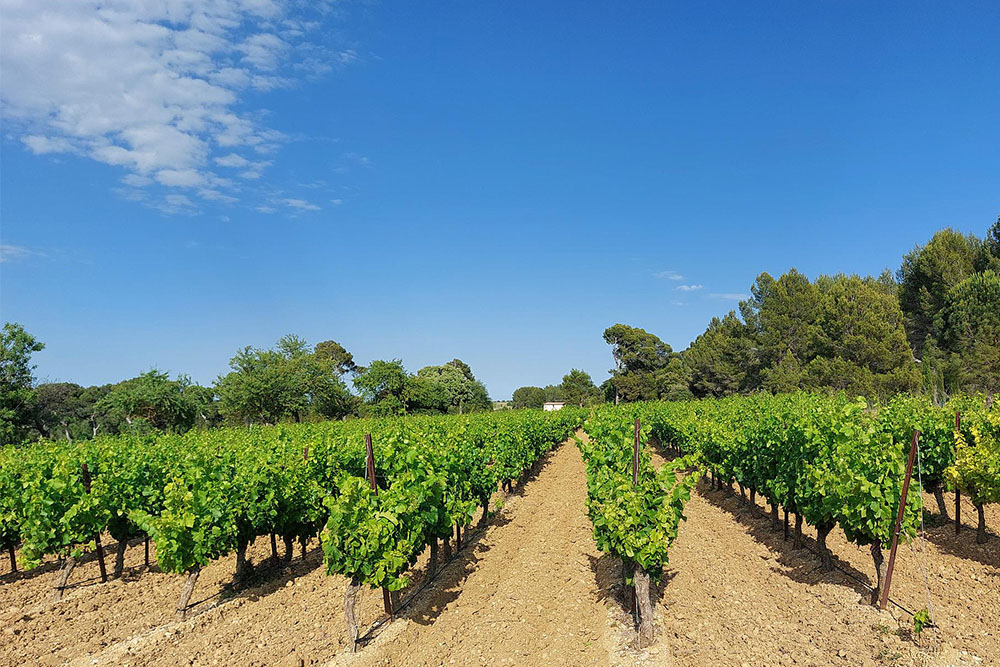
<point>206,494</point>
<point>976,467</point>
<point>829,460</point>
<point>424,493</point>
<point>635,508</point>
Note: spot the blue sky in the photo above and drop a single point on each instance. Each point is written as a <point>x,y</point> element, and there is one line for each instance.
<point>497,182</point>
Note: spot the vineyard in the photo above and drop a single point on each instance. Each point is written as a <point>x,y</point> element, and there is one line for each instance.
<point>204,495</point>
<point>389,510</point>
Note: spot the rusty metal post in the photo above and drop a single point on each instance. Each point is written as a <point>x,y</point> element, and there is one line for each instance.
<point>884,593</point>
<point>958,494</point>
<point>370,464</point>
<point>97,538</point>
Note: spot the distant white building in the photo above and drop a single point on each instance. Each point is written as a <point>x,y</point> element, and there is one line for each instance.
<point>549,406</point>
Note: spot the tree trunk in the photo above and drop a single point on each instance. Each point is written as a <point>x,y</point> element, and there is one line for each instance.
<point>785,537</point>
<point>304,542</point>
<point>147,550</point>
<point>432,562</point>
<point>182,604</point>
<point>13,559</point>
<point>729,486</point>
<point>485,518</point>
<point>743,495</point>
<point>67,567</point>
<point>446,543</point>
<point>753,496</point>
<point>641,579</point>
<point>981,529</point>
<point>120,558</point>
<point>825,556</point>
<point>774,515</point>
<point>274,547</point>
<point>242,567</point>
<point>939,497</point>
<point>289,541</point>
<point>350,598</point>
<point>881,567</point>
<point>797,542</point>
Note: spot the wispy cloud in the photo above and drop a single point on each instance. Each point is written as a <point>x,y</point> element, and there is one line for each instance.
<point>292,204</point>
<point>689,288</point>
<point>353,161</point>
<point>728,296</point>
<point>300,204</point>
<point>668,275</point>
<point>13,253</point>
<point>158,89</point>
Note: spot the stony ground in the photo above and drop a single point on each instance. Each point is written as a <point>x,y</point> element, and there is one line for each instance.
<point>531,589</point>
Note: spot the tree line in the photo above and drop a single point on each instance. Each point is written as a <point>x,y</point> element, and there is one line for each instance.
<point>933,326</point>
<point>291,382</point>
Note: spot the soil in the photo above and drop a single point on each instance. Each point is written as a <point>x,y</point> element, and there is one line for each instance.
<point>531,589</point>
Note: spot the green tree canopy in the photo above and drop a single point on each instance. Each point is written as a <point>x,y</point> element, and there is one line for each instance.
<point>18,397</point>
<point>291,380</point>
<point>993,240</point>
<point>928,274</point>
<point>641,361</point>
<point>722,361</point>
<point>783,315</point>
<point>528,397</point>
<point>578,388</point>
<point>383,386</point>
<point>151,399</point>
<point>968,332</point>
<point>861,345</point>
<point>459,388</point>
<point>334,352</point>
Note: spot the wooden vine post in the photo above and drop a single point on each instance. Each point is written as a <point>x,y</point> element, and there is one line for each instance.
<point>884,585</point>
<point>386,596</point>
<point>958,494</point>
<point>97,537</point>
<point>354,587</point>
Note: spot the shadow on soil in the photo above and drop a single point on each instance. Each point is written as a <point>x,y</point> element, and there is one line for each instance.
<point>801,565</point>
<point>963,545</point>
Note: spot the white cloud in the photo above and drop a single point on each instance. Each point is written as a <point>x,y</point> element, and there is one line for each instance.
<point>300,204</point>
<point>180,177</point>
<point>688,288</point>
<point>668,275</point>
<point>152,87</point>
<point>10,253</point>
<point>42,145</point>
<point>180,201</point>
<point>336,202</point>
<point>729,296</point>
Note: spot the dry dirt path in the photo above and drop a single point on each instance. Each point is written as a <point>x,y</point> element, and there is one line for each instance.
<point>522,593</point>
<point>738,594</point>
